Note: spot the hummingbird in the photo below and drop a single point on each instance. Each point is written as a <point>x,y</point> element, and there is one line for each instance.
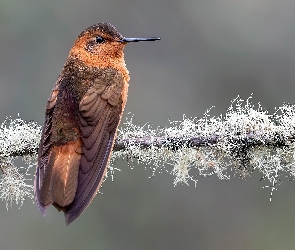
<point>82,116</point>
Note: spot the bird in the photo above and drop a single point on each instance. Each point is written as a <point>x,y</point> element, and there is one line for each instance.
<point>82,116</point>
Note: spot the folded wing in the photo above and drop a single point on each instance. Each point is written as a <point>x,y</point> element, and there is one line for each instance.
<point>100,113</point>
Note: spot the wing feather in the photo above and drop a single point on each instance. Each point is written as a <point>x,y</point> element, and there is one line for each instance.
<point>43,170</point>
<point>92,173</point>
<point>98,130</point>
<point>97,136</point>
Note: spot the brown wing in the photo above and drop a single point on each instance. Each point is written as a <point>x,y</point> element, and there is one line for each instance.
<point>100,113</point>
<point>42,171</point>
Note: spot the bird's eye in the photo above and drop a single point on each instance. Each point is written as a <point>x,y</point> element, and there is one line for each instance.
<point>99,39</point>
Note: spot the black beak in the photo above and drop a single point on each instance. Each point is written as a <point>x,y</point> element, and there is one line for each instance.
<point>132,40</point>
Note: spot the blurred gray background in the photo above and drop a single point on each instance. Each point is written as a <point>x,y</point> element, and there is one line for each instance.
<point>210,52</point>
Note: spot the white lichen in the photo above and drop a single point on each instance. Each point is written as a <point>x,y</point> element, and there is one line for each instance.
<point>14,186</point>
<point>245,139</point>
<point>17,138</point>
<point>234,152</point>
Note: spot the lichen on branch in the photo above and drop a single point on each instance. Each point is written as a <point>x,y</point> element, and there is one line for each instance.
<point>245,139</point>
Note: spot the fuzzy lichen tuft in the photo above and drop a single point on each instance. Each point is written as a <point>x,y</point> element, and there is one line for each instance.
<point>17,138</point>
<point>245,139</point>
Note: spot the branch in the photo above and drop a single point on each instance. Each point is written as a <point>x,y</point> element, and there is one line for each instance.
<point>176,143</point>
<point>241,141</point>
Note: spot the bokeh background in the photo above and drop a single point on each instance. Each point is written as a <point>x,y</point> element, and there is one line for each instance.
<point>210,52</point>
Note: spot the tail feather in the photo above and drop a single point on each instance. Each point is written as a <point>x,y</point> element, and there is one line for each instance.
<point>56,181</point>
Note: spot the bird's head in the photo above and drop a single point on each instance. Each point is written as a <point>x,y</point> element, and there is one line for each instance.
<point>101,45</point>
